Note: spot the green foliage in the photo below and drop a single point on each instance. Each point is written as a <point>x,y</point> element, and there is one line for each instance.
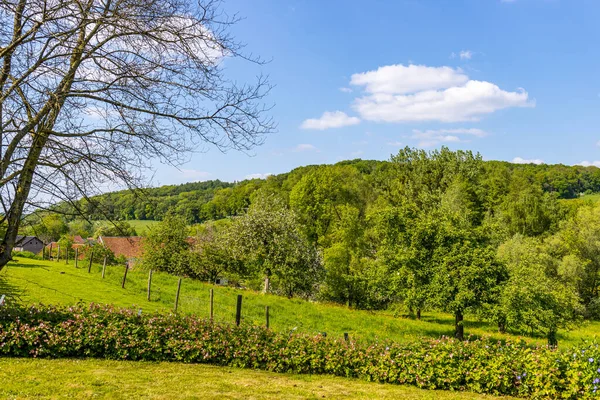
<point>25,254</point>
<point>535,298</point>
<point>117,228</point>
<point>98,252</point>
<point>81,227</point>
<point>269,242</point>
<point>50,228</point>
<point>166,248</point>
<point>212,253</point>
<point>510,368</point>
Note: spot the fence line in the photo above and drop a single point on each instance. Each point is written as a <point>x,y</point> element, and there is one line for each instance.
<point>227,307</point>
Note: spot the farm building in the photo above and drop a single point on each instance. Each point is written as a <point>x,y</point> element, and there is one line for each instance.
<point>128,247</point>
<point>28,243</point>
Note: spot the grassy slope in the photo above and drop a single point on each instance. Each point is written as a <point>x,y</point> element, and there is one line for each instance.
<point>48,282</point>
<point>82,379</point>
<point>141,225</point>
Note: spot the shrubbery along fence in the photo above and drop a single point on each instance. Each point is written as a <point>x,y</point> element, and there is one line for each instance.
<point>510,368</point>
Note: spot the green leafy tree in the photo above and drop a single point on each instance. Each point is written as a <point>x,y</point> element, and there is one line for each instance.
<point>535,298</point>
<point>167,247</point>
<point>212,253</point>
<point>269,241</point>
<point>466,274</point>
<point>97,252</point>
<point>118,228</point>
<point>81,227</point>
<point>577,245</point>
<point>50,228</point>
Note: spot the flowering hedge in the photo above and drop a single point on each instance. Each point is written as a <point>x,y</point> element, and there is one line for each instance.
<point>510,368</point>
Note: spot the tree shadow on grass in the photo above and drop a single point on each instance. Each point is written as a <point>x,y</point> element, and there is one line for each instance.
<point>12,292</point>
<point>16,263</point>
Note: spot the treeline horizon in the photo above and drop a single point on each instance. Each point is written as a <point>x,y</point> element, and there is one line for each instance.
<point>215,199</point>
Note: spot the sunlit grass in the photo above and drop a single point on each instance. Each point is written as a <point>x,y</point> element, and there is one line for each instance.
<point>82,379</point>
<point>32,281</point>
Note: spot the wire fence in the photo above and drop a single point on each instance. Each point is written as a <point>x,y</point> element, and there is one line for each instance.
<point>153,291</point>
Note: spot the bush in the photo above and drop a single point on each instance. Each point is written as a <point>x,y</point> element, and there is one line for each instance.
<point>26,254</point>
<point>510,368</point>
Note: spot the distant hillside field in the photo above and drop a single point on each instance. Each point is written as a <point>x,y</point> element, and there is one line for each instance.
<point>141,226</point>
<point>32,281</point>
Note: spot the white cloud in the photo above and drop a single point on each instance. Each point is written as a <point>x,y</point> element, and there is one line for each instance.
<point>356,153</point>
<point>589,164</point>
<point>519,160</point>
<point>345,90</point>
<point>458,103</point>
<point>465,54</point>
<point>434,137</point>
<point>598,143</point>
<point>305,147</point>
<point>336,119</point>
<point>400,79</point>
<point>194,174</point>
<point>258,176</point>
<point>395,144</point>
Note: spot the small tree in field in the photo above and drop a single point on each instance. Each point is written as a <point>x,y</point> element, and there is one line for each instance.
<point>466,274</point>
<point>535,298</point>
<point>167,248</point>
<point>269,241</point>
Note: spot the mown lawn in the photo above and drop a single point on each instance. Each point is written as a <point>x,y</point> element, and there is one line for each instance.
<point>85,379</point>
<point>32,281</point>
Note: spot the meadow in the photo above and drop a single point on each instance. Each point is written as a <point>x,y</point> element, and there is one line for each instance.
<point>33,281</point>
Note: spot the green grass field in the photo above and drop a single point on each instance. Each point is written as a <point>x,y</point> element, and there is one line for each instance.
<point>32,281</point>
<point>86,379</point>
<point>141,226</point>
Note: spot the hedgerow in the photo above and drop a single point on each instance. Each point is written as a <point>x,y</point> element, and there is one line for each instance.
<point>499,368</point>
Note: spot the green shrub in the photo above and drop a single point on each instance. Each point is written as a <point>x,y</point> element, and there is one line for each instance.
<point>510,368</point>
<point>26,254</point>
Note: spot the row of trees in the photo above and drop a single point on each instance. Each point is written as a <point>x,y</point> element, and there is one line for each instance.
<point>440,230</point>
<point>205,201</point>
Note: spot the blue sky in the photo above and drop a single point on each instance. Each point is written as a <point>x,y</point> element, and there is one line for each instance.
<point>513,80</point>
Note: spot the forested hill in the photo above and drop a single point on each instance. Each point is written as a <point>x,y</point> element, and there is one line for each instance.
<point>210,200</point>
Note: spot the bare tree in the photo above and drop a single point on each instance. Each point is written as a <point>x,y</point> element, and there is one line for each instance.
<point>93,91</point>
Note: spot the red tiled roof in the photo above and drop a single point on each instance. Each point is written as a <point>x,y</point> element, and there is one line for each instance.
<point>129,247</point>
<point>78,239</point>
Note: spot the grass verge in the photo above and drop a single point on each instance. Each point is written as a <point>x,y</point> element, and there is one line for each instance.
<point>83,379</point>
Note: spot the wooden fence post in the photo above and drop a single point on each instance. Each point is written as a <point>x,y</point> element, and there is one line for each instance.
<point>211,297</point>
<point>67,256</point>
<point>149,283</point>
<point>58,254</point>
<point>76,257</point>
<point>267,316</point>
<point>50,255</point>
<point>238,310</point>
<point>91,259</point>
<point>177,295</point>
<point>125,275</point>
<point>104,267</point>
